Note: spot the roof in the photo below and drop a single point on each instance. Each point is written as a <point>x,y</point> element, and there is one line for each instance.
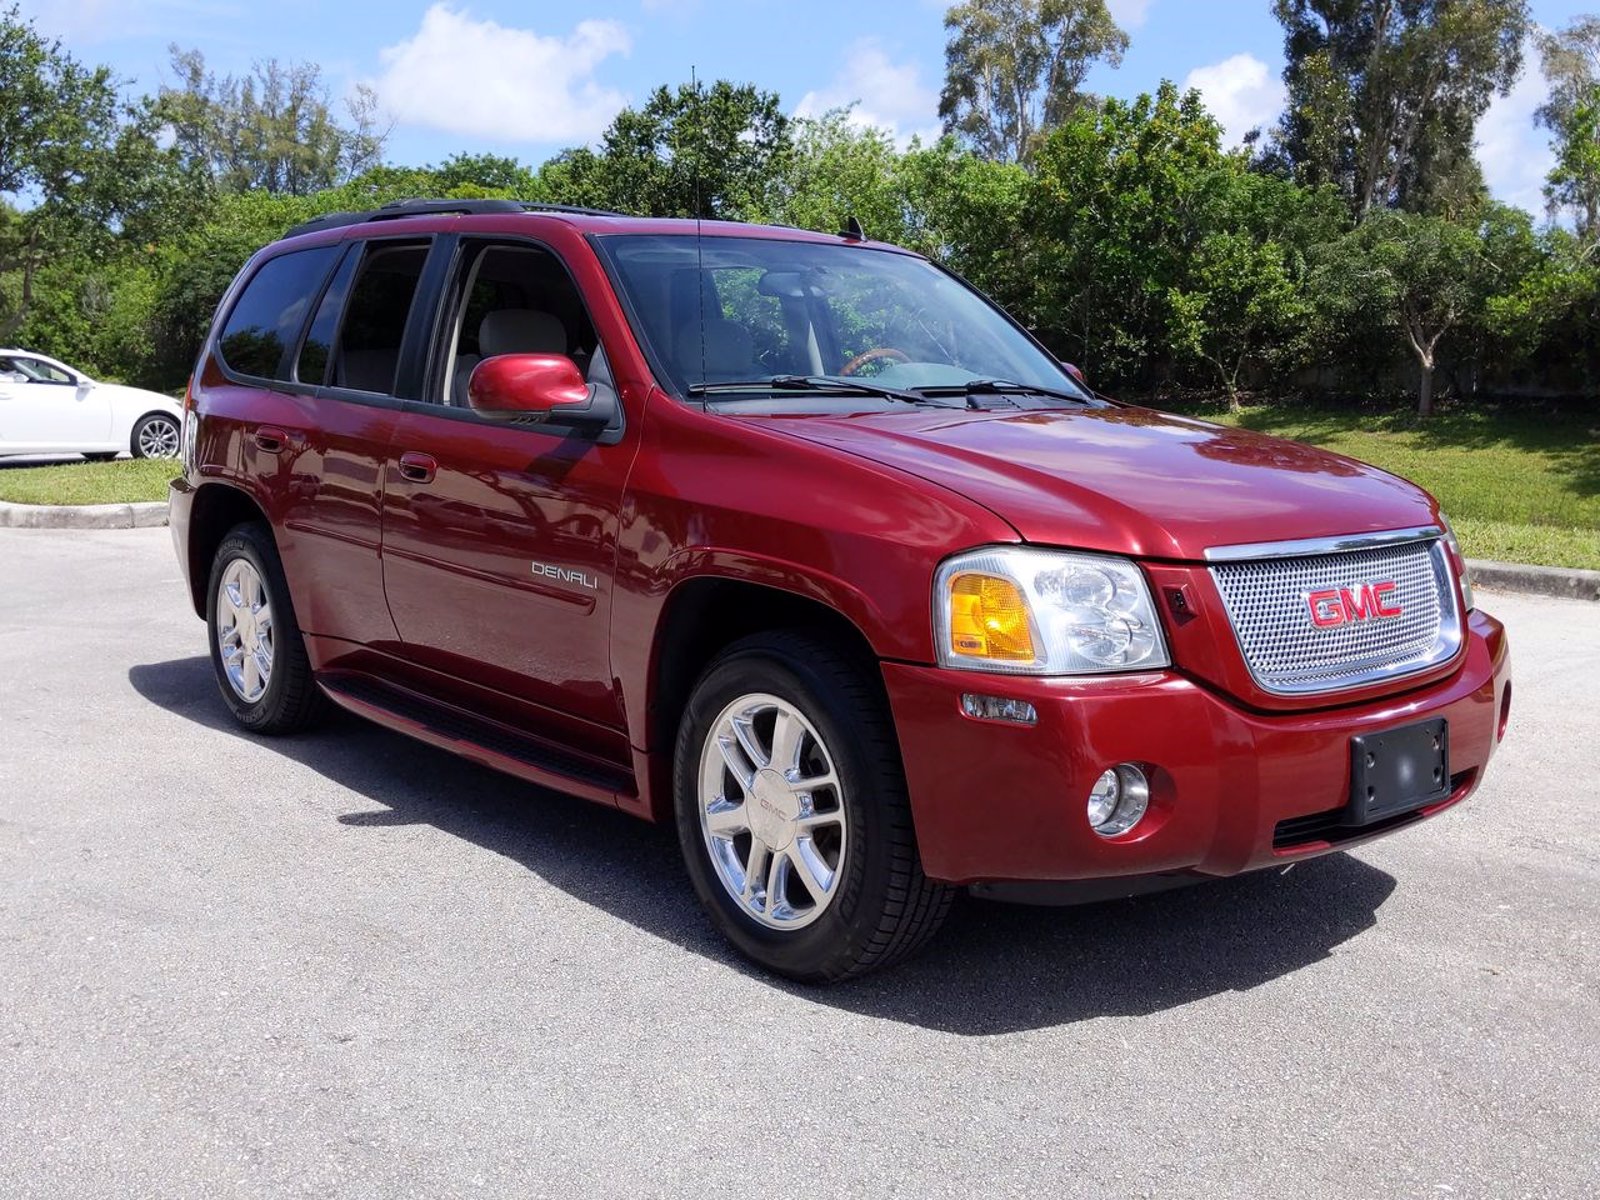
<point>585,220</point>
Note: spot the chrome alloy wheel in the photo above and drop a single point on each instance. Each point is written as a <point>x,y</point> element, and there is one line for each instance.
<point>772,812</point>
<point>158,438</point>
<point>244,630</point>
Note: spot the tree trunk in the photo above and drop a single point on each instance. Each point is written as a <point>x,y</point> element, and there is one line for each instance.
<point>1425,389</point>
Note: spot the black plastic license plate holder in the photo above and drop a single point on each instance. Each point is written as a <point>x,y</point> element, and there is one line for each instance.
<point>1398,770</point>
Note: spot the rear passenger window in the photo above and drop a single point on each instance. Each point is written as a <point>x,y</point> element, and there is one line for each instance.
<point>366,352</point>
<point>270,311</point>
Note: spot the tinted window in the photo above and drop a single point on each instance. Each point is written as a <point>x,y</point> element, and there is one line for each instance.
<point>270,311</point>
<point>317,349</point>
<point>366,356</point>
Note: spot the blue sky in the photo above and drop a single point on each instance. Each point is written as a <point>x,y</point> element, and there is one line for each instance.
<point>529,78</point>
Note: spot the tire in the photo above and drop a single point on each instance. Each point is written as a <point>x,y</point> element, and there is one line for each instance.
<point>101,456</point>
<point>266,682</point>
<point>854,897</point>
<point>155,436</point>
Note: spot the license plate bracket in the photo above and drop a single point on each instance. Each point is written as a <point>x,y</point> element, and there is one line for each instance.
<point>1398,770</point>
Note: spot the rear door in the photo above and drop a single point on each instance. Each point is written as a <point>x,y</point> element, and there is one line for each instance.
<point>500,540</point>
<point>306,348</point>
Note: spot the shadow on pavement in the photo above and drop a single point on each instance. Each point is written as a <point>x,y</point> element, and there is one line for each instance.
<point>994,969</point>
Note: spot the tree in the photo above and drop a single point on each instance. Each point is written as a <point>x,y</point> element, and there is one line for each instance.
<point>1244,299</point>
<point>695,151</point>
<point>1385,95</point>
<point>1122,197</point>
<point>271,130</point>
<point>1571,60</point>
<point>1421,276</point>
<point>838,170</point>
<point>73,161</point>
<point>1014,69</point>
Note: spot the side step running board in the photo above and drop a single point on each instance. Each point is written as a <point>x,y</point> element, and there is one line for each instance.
<point>487,742</point>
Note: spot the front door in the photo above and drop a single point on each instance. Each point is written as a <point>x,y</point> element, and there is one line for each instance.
<point>499,541</point>
<point>42,407</point>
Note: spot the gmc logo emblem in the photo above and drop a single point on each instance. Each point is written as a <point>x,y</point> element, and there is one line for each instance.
<point>1332,607</point>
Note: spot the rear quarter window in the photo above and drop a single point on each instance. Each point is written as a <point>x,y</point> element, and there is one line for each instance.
<point>266,319</point>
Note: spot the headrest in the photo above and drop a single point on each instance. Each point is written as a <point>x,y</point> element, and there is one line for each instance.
<point>521,331</point>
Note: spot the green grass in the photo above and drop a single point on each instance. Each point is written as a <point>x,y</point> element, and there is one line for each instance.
<point>123,482</point>
<point>1519,486</point>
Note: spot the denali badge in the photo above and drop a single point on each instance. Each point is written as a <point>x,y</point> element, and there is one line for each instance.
<point>1341,606</point>
<point>567,575</point>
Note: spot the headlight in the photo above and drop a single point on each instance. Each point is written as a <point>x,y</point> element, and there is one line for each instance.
<point>1043,612</point>
<point>1459,561</point>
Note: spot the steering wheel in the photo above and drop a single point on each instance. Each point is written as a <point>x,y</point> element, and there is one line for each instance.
<point>872,356</point>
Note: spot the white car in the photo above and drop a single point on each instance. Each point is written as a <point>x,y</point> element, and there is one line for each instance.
<point>47,407</point>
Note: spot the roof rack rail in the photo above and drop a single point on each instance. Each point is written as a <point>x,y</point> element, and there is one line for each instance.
<point>397,209</point>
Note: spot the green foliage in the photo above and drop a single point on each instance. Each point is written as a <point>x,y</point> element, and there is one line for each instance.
<point>1420,276</point>
<point>272,130</point>
<point>1571,61</point>
<point>1014,69</point>
<point>1385,95</point>
<point>702,151</point>
<point>1117,210</point>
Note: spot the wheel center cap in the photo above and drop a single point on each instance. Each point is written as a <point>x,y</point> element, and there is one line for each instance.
<point>773,809</point>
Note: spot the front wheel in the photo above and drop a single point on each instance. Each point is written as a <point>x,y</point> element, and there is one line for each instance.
<point>793,816</point>
<point>155,436</point>
<point>257,651</point>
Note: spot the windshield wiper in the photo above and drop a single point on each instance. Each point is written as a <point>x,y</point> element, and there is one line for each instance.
<point>973,388</point>
<point>822,385</point>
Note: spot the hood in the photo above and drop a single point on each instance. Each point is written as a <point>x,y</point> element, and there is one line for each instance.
<point>1129,480</point>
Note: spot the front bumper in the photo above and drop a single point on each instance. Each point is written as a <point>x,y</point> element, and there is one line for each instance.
<point>1232,789</point>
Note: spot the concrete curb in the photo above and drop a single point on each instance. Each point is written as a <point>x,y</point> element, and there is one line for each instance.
<point>83,516</point>
<point>1543,581</point>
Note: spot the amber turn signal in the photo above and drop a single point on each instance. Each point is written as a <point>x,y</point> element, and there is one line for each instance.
<point>989,619</point>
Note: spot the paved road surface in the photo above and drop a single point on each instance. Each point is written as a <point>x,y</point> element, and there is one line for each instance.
<point>348,964</point>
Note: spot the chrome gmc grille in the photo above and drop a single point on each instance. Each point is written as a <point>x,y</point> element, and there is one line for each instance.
<point>1269,591</point>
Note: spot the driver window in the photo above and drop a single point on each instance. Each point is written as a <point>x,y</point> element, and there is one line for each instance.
<point>513,299</point>
<point>36,371</point>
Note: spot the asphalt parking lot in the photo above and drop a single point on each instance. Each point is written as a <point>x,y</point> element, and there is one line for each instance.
<point>348,964</point>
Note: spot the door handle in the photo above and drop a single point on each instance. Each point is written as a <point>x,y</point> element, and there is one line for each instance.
<point>418,467</point>
<point>271,439</point>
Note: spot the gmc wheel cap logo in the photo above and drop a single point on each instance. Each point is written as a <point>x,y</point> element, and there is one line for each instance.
<point>1332,607</point>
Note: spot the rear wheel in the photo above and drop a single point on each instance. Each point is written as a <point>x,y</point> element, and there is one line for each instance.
<point>257,651</point>
<point>792,812</point>
<point>155,436</point>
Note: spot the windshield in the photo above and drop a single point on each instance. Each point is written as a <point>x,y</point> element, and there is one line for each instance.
<point>724,310</point>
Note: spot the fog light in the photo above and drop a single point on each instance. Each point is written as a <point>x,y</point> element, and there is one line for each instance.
<point>999,708</point>
<point>1118,800</point>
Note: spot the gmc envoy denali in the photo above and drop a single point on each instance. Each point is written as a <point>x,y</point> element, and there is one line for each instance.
<point>799,542</point>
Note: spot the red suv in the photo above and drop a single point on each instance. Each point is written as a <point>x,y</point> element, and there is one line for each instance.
<point>801,543</point>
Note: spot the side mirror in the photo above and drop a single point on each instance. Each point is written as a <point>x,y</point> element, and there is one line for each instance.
<point>534,388</point>
<point>1072,369</point>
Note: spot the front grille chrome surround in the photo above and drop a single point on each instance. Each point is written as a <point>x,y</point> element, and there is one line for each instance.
<point>1266,589</point>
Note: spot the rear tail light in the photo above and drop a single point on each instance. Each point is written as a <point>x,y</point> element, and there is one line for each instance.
<point>186,441</point>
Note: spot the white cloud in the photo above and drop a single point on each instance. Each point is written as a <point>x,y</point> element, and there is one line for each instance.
<point>1515,154</point>
<point>1130,14</point>
<point>887,95</point>
<point>1241,92</point>
<point>483,79</point>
